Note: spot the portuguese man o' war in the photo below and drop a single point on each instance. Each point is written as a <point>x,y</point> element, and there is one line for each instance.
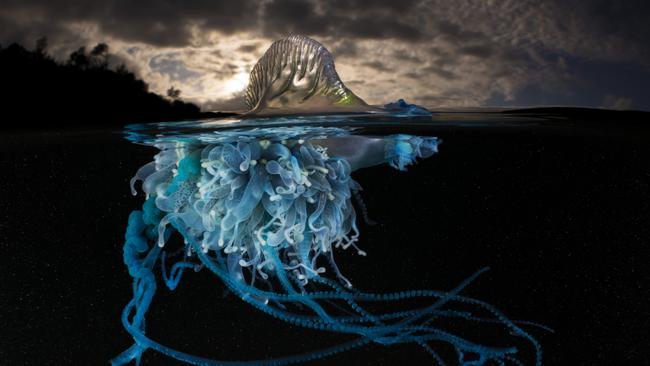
<point>266,208</point>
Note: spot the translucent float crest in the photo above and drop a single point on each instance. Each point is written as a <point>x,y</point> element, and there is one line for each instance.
<point>297,75</point>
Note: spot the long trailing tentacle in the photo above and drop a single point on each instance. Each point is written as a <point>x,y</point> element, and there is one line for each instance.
<point>403,332</point>
<point>144,287</point>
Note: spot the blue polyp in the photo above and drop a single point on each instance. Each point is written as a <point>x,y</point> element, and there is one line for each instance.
<point>259,214</point>
<point>188,168</point>
<point>403,150</point>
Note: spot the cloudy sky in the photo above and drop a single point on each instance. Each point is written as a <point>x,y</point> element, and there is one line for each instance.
<point>453,53</point>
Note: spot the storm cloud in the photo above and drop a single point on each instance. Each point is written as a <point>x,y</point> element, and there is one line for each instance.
<point>438,53</point>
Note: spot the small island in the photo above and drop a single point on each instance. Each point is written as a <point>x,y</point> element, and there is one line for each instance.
<point>82,91</point>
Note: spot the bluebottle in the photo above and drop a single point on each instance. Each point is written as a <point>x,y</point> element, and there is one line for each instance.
<point>266,210</point>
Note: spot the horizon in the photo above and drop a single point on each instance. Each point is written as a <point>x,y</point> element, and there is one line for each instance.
<point>436,54</point>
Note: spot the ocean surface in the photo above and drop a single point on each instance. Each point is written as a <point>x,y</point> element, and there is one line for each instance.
<point>556,206</point>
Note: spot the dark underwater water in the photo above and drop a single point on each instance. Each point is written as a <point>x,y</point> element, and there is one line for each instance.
<point>557,208</point>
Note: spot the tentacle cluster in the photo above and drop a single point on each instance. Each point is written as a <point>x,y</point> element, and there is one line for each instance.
<point>245,196</point>
<point>264,215</point>
<point>402,150</point>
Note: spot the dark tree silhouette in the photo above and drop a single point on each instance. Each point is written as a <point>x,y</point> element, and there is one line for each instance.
<point>39,91</point>
<point>99,56</point>
<point>173,93</point>
<point>41,46</point>
<point>79,58</point>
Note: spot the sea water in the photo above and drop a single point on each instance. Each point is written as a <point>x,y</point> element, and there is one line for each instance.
<point>557,208</point>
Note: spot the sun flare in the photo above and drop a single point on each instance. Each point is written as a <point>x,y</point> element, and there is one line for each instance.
<point>236,84</point>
